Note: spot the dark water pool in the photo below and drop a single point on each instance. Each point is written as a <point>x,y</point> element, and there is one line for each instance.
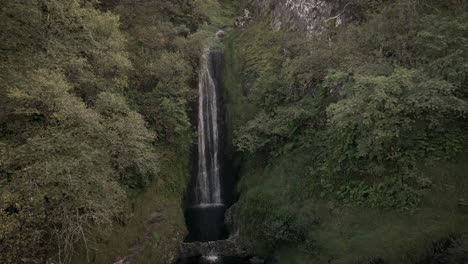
<point>206,223</point>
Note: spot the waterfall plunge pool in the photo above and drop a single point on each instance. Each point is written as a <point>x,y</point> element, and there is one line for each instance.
<point>206,223</point>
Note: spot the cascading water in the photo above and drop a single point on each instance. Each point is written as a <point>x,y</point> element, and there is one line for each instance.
<point>205,214</point>
<point>210,191</point>
<point>208,187</point>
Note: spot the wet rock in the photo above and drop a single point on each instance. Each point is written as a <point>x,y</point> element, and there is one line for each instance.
<point>228,247</point>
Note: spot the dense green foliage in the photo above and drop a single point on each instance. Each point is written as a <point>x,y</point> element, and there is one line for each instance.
<point>351,144</point>
<point>94,104</point>
<point>353,121</point>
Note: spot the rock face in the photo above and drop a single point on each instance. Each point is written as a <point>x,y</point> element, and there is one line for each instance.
<point>228,247</point>
<point>310,16</point>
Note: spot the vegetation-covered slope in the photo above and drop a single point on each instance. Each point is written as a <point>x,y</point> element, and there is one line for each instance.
<point>94,104</point>
<point>351,144</point>
<point>356,149</point>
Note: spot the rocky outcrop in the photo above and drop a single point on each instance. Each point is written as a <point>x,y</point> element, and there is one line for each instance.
<point>241,21</point>
<point>310,16</point>
<point>228,247</point>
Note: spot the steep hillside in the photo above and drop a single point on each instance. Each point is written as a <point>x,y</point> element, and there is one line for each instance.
<point>345,122</point>
<point>95,137</point>
<point>350,121</point>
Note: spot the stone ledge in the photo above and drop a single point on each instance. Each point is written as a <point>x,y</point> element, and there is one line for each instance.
<point>228,247</point>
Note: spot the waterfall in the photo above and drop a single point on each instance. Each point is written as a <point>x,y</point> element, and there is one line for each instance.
<point>205,214</point>
<point>209,195</point>
<point>208,187</point>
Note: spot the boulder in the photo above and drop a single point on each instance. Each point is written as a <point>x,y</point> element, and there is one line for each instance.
<point>220,34</point>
